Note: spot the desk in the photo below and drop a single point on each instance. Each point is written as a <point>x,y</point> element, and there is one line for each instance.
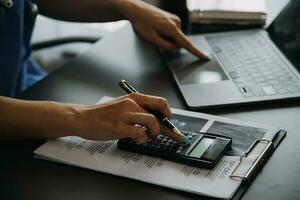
<point>95,74</point>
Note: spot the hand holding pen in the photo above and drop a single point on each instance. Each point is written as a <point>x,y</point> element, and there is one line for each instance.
<point>167,125</point>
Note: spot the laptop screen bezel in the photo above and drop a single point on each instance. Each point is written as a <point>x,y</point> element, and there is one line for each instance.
<point>271,28</point>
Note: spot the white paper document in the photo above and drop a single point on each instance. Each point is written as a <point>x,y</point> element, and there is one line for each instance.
<point>227,11</point>
<point>104,156</point>
<point>228,5</point>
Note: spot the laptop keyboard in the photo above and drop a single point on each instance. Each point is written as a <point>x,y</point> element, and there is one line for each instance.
<point>253,65</point>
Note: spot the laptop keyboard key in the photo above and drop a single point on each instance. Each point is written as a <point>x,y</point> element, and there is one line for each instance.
<point>282,91</point>
<point>293,89</point>
<point>269,90</point>
<point>257,91</point>
<point>251,62</point>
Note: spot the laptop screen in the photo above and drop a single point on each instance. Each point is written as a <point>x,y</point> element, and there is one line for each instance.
<point>285,32</point>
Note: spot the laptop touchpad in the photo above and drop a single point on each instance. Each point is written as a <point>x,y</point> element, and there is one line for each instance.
<point>190,70</point>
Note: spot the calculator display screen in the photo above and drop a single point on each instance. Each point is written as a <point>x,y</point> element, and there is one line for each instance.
<point>201,147</point>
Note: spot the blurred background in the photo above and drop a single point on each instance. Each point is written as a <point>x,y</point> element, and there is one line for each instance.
<point>48,29</point>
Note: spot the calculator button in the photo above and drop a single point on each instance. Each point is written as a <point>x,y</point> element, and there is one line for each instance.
<point>193,134</point>
<point>158,138</point>
<point>178,151</point>
<point>185,133</point>
<point>190,137</point>
<point>173,144</point>
<point>164,140</point>
<point>180,148</point>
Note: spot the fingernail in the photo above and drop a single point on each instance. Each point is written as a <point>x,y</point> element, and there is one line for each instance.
<point>205,56</point>
<point>185,140</point>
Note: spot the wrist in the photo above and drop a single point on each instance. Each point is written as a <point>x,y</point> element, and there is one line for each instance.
<point>63,120</point>
<point>74,119</point>
<point>86,122</point>
<point>126,8</point>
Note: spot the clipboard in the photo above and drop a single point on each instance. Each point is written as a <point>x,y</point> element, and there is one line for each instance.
<point>259,163</point>
<point>59,151</point>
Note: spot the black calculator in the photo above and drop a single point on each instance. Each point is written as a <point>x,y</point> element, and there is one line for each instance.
<point>205,150</point>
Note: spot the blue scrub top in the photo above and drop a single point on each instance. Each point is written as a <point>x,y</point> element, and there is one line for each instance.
<point>17,70</point>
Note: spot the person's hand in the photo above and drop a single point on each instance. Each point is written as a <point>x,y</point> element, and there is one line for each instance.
<point>158,27</point>
<point>122,117</point>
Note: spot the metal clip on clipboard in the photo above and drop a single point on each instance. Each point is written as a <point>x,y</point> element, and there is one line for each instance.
<point>258,163</point>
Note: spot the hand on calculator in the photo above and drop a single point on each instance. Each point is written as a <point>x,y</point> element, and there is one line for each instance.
<point>117,119</point>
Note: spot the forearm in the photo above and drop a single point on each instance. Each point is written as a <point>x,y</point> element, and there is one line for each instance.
<point>150,23</point>
<point>108,121</point>
<point>35,119</point>
<point>86,11</point>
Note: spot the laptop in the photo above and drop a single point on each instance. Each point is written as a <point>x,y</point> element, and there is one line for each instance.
<point>246,67</point>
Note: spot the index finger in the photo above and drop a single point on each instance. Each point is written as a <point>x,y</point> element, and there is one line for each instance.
<point>184,42</point>
<point>169,133</point>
